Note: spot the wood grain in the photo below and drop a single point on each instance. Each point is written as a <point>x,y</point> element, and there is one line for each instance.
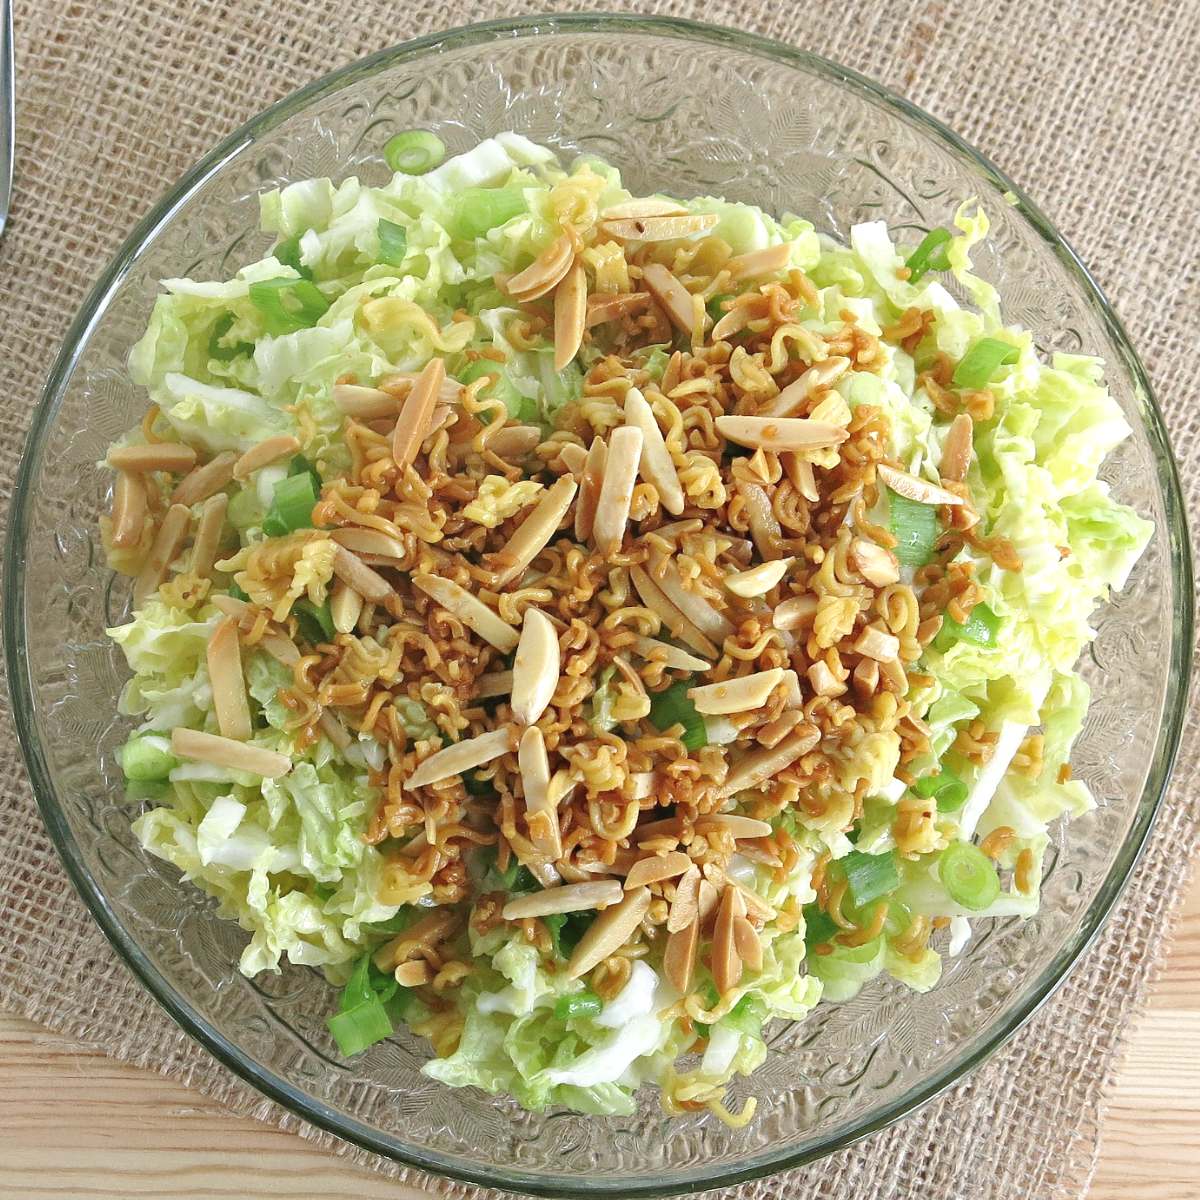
<point>75,1125</point>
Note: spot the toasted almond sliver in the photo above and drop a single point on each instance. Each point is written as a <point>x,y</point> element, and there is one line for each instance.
<point>655,464</point>
<point>540,811</point>
<point>873,562</point>
<point>761,765</point>
<point>746,694</point>
<point>265,453</point>
<point>793,612</point>
<point>514,441</point>
<point>820,375</point>
<point>225,752</point>
<point>425,934</point>
<point>823,681</point>
<point>875,643</point>
<point>494,683</point>
<point>767,261</point>
<point>747,944</point>
<point>570,315</point>
<point>679,955</point>
<point>163,552</point>
<point>231,606</point>
<point>206,480</point>
<point>693,606</point>
<point>603,308</point>
<point>369,584</point>
<point>759,580</point>
<point>800,475</point>
<point>535,667</point>
<point>572,897</point>
<point>470,610</point>
<point>781,433</point>
<point>230,704</point>
<point>368,541</point>
<point>956,449</point>
<point>672,656</point>
<point>399,383</point>
<point>365,403</point>
<point>608,932</point>
<point>155,456</point>
<point>707,899</point>
<point>646,206</point>
<point>764,525</point>
<point>726,963</point>
<point>736,824</point>
<point>334,730</point>
<point>793,696</point>
<point>616,490</point>
<point>413,421</point>
<point>462,756</point>
<point>280,647</point>
<point>675,299</point>
<point>544,272</point>
<point>574,459</point>
<point>535,531</point>
<point>345,607</point>
<point>734,321</point>
<point>679,626</point>
<point>904,484</point>
<point>685,907</point>
<point>128,510</point>
<point>656,868</point>
<point>658,229</point>
<point>589,488</point>
<point>412,974</point>
<point>208,534</point>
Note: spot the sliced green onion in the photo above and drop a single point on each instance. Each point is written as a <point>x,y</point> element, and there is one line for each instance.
<point>477,785</point>
<point>969,876</point>
<point>819,926</point>
<point>979,363</point>
<point>673,707</point>
<point>414,152</point>
<point>288,253</point>
<point>356,1028</point>
<point>915,528</point>
<point>238,594</point>
<point>288,304</point>
<point>930,255</point>
<point>566,929</point>
<point>582,1004</point>
<point>516,878</point>
<point>946,787</point>
<point>870,876</point>
<point>476,210</point>
<point>147,758</point>
<point>715,308</point>
<point>747,1015</point>
<point>980,629</point>
<point>226,353</point>
<point>291,506</point>
<point>301,466</point>
<point>393,242</point>
<point>316,621</point>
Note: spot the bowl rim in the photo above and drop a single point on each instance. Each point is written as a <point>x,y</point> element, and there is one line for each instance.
<point>1177,546</point>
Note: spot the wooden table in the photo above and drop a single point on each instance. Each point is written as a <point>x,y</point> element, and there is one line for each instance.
<point>76,1125</point>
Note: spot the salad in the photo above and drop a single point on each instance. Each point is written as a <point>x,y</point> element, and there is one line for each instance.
<point>589,626</point>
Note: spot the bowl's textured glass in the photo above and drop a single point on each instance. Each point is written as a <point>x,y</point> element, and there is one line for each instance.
<point>689,111</point>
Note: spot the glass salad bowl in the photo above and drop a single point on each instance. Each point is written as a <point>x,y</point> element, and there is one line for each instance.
<point>689,109</point>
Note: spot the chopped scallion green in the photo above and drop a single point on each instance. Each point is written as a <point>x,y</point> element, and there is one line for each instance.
<point>819,926</point>
<point>915,528</point>
<point>673,707</point>
<point>582,1004</point>
<point>291,506</point>
<point>147,758</point>
<point>945,787</point>
<point>870,876</point>
<point>980,629</point>
<point>288,253</point>
<point>476,210</point>
<point>969,876</point>
<point>930,255</point>
<point>393,242</point>
<point>979,363</point>
<point>316,621</point>
<point>217,349</point>
<point>414,152</point>
<point>288,304</point>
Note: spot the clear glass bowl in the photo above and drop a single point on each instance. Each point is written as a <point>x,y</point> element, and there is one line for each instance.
<point>689,109</point>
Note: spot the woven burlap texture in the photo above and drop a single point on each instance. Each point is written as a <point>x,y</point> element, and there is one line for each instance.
<point>1090,107</point>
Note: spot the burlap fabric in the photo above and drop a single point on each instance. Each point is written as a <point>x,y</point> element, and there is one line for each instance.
<point>1091,106</point>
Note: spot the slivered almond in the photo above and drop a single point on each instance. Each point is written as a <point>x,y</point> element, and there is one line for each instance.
<point>734,321</point>
<point>707,899</point>
<point>462,756</point>
<point>442,416</point>
<point>780,433</point>
<point>904,484</point>
<point>545,873</point>
<point>767,261</point>
<point>128,510</point>
<point>761,765</point>
<point>657,868</point>
<point>745,940</point>
<point>757,909</point>
<point>225,752</point>
<point>231,606</point>
<point>535,531</point>
<point>570,315</point>
<point>764,525</point>
<point>873,562</point>
<point>671,656</point>
<point>574,458</point>
<point>544,273</point>
<point>535,667</point>
<point>616,490</point>
<point>514,441</point>
<point>414,973</point>
<point>685,907</point>
<point>679,955</point>
<point>413,421</point>
<point>230,704</point>
<point>892,676</point>
<point>208,534</point>
<point>425,934</point>
<point>155,456</point>
<point>264,454</point>
<point>726,963</point>
<point>794,612</point>
<point>736,825</point>
<point>820,375</point>
<point>351,570</point>
<point>658,229</point>
<point>603,308</point>
<point>205,481</point>
<point>280,647</point>
<point>793,697</point>
<point>609,932</point>
<point>470,610</point>
<point>655,464</point>
<point>956,449</point>
<point>368,541</point>
<point>366,403</point>
<point>646,206</point>
<point>758,581</point>
<point>875,643</point>
<point>675,299</point>
<point>399,383</point>
<point>494,683</point>
<point>746,694</point>
<point>541,814</point>
<point>589,489</point>
<point>333,729</point>
<point>163,552</point>
<point>693,606</point>
<point>800,475</point>
<point>345,607</point>
<point>679,626</point>
<point>823,681</point>
<point>571,897</point>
